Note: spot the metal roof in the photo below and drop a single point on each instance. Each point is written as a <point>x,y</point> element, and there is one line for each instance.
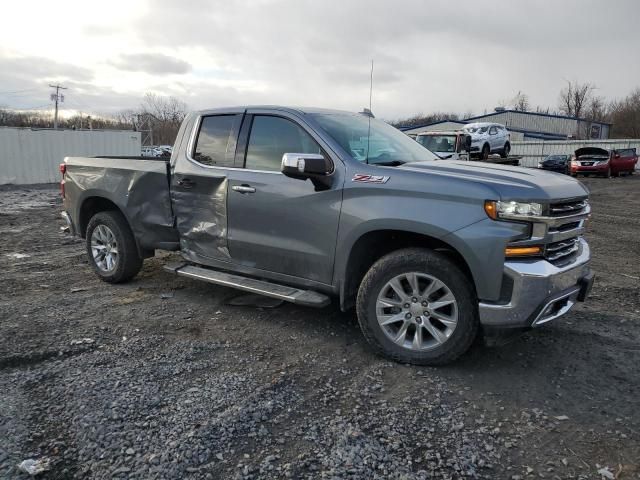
<point>539,114</point>
<point>411,127</point>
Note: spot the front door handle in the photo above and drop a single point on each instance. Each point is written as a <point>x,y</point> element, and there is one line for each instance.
<point>186,182</point>
<point>243,189</point>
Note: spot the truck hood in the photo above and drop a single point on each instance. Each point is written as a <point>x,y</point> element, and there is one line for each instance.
<point>509,183</point>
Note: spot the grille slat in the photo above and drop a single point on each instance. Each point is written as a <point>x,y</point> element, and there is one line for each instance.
<point>567,208</point>
<point>561,252</point>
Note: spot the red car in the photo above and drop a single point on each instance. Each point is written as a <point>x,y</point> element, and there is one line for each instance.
<point>595,160</point>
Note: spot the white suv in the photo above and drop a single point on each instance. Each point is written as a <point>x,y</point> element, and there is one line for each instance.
<point>487,138</point>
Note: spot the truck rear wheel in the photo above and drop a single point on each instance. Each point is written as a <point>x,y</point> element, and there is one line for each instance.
<point>416,306</point>
<point>111,247</point>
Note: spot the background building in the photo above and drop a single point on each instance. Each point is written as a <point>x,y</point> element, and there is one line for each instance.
<point>527,126</point>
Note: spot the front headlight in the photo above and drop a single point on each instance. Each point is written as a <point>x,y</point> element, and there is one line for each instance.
<point>512,210</point>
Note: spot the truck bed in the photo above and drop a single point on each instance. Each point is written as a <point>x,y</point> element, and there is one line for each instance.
<point>138,186</point>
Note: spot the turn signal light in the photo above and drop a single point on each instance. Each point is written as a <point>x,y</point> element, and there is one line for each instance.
<point>522,251</point>
<point>490,209</point>
<point>63,168</point>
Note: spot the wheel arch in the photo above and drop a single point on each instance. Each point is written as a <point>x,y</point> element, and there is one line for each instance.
<point>370,246</point>
<point>91,205</point>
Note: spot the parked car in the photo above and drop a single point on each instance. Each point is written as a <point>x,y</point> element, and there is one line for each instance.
<point>304,205</point>
<point>556,163</point>
<point>488,138</point>
<point>600,161</point>
<point>151,152</point>
<point>452,145</point>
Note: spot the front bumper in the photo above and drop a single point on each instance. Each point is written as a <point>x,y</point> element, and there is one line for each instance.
<point>540,292</point>
<point>590,169</point>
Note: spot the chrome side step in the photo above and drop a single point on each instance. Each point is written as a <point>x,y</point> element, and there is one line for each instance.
<point>289,294</point>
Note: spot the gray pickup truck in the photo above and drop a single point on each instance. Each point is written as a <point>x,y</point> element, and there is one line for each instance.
<point>308,204</point>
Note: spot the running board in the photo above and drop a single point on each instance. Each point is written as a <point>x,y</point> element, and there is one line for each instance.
<point>307,298</point>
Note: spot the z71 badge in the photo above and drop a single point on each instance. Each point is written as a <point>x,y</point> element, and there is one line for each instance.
<point>360,177</point>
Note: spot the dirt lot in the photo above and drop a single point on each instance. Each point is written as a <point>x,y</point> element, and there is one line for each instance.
<point>162,378</point>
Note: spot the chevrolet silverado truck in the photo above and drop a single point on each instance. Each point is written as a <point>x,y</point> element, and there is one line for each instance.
<point>308,204</point>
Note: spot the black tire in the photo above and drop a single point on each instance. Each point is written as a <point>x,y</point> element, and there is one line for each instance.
<point>129,261</point>
<point>506,150</point>
<point>438,266</point>
<point>484,154</point>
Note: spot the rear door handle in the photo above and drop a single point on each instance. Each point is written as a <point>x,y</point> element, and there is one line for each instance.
<point>186,182</point>
<point>243,189</point>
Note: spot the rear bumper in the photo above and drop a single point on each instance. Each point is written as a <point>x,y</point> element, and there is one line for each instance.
<point>69,222</point>
<point>541,292</point>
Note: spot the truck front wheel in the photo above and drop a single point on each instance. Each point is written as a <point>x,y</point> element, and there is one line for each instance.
<point>416,306</point>
<point>111,247</point>
<point>484,154</point>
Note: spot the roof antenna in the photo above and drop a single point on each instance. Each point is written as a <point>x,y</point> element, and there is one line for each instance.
<point>367,111</point>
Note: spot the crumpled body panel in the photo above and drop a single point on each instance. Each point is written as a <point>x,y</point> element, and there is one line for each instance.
<point>201,218</point>
<point>139,188</point>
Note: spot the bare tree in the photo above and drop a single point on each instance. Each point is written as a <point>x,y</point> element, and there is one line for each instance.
<point>575,97</point>
<point>422,119</point>
<point>625,116</point>
<point>164,114</point>
<point>521,102</point>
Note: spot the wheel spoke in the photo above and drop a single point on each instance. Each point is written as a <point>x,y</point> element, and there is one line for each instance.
<point>402,333</point>
<point>388,303</point>
<point>413,282</point>
<point>437,335</point>
<point>442,302</point>
<point>434,286</point>
<point>447,320</point>
<point>397,287</point>
<point>417,338</point>
<point>389,319</point>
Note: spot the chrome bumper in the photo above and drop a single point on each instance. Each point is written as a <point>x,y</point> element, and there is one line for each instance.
<point>69,222</point>
<point>541,291</point>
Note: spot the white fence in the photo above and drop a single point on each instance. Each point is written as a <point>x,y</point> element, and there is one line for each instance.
<point>532,152</point>
<point>33,156</point>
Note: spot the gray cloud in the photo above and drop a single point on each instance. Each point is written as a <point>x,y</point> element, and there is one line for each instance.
<point>155,63</point>
<point>446,56</point>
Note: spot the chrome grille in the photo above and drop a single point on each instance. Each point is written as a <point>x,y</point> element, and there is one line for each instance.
<point>561,252</point>
<point>567,208</point>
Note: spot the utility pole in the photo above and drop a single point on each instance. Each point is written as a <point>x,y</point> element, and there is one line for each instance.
<point>57,97</point>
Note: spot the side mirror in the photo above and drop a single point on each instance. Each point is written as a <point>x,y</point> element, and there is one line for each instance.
<point>305,165</point>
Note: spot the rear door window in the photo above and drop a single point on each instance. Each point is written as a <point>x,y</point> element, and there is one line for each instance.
<point>216,142</point>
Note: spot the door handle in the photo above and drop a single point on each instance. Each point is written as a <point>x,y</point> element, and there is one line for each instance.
<point>186,182</point>
<point>243,189</point>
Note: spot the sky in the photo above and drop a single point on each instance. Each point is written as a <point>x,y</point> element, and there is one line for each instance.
<point>462,56</point>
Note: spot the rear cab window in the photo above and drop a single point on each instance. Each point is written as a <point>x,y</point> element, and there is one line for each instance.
<point>216,141</point>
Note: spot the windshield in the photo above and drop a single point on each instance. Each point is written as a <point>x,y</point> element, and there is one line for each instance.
<point>373,141</point>
<point>438,143</point>
<point>476,129</point>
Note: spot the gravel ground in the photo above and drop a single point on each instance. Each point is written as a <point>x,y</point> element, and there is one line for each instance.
<point>164,378</point>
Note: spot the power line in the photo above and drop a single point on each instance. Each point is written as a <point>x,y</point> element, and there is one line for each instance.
<point>57,97</point>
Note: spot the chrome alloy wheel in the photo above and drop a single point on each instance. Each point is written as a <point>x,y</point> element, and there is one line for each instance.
<point>417,311</point>
<point>104,248</point>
